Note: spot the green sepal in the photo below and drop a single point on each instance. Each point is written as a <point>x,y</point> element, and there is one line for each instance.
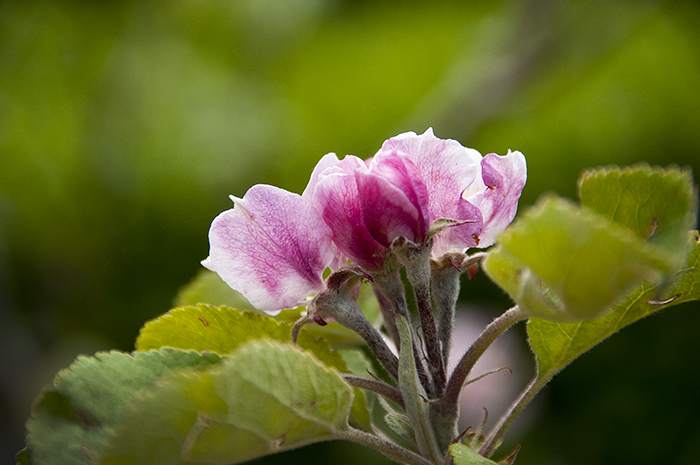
<point>414,396</point>
<point>565,263</point>
<point>463,455</point>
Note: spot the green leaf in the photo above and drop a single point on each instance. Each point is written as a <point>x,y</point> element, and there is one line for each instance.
<point>658,204</point>
<point>23,457</point>
<point>463,455</point>
<point>208,288</point>
<point>414,396</point>
<point>557,344</point>
<point>71,422</point>
<point>265,397</point>
<point>224,329</point>
<point>566,263</point>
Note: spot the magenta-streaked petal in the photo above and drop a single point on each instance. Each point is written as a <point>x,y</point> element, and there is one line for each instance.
<point>503,179</point>
<point>272,247</point>
<point>458,238</point>
<point>336,196</point>
<point>327,161</point>
<point>394,199</point>
<point>446,167</point>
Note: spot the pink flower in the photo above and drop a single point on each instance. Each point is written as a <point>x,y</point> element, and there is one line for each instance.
<point>463,186</point>
<point>272,247</point>
<point>333,190</point>
<point>394,198</point>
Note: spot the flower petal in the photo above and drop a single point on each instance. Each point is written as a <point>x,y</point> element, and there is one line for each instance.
<point>503,178</point>
<point>335,194</point>
<point>394,198</point>
<point>272,247</point>
<point>446,167</point>
<point>458,238</point>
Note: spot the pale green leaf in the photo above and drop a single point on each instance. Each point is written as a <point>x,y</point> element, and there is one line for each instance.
<point>658,204</point>
<point>71,421</point>
<point>208,288</point>
<point>557,344</point>
<point>566,263</point>
<point>463,455</point>
<point>265,397</point>
<point>224,329</point>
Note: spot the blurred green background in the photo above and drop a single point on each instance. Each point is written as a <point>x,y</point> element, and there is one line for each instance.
<point>124,125</point>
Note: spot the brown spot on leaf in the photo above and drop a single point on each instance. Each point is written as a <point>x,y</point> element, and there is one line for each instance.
<point>204,321</point>
<point>653,225</point>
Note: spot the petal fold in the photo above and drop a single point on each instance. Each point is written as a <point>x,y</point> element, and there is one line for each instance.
<point>503,179</point>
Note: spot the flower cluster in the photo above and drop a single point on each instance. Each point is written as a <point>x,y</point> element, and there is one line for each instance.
<point>274,246</point>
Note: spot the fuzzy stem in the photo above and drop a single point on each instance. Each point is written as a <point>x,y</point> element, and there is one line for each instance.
<point>383,445</point>
<point>388,314</point>
<point>445,286</point>
<point>416,259</point>
<point>390,284</point>
<point>345,311</point>
<point>449,405</point>
<point>379,387</point>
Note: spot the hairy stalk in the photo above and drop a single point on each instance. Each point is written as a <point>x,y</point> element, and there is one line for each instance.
<point>345,311</point>
<point>495,436</point>
<point>449,405</point>
<point>376,386</point>
<point>388,314</point>
<point>383,445</point>
<point>416,260</point>
<point>445,286</point>
<point>389,282</point>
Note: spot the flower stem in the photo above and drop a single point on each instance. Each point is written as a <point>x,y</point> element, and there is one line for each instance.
<point>390,284</point>
<point>386,447</point>
<point>449,405</point>
<point>345,311</point>
<point>379,387</point>
<point>416,260</point>
<point>445,286</point>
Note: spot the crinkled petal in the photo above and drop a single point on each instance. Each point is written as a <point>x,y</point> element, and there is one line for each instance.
<point>335,195</point>
<point>394,199</point>
<point>458,238</point>
<point>272,247</point>
<point>446,167</point>
<point>327,161</point>
<point>503,179</point>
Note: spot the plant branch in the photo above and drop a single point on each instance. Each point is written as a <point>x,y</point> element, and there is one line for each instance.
<point>449,403</point>
<point>379,387</point>
<point>389,282</point>
<point>386,447</point>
